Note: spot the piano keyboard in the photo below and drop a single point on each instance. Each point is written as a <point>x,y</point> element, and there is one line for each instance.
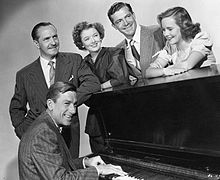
<point>126,178</point>
<point>117,177</point>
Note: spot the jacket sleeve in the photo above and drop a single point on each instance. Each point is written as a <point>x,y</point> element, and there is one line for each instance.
<point>17,108</point>
<point>117,68</point>
<point>49,160</point>
<point>88,83</point>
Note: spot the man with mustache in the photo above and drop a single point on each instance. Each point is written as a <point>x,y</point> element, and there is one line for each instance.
<point>140,43</point>
<point>33,81</point>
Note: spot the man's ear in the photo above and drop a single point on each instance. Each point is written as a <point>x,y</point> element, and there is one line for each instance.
<point>134,15</point>
<point>36,43</point>
<point>114,26</point>
<point>50,104</point>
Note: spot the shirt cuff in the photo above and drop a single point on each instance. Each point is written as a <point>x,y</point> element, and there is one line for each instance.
<point>97,171</point>
<point>83,162</point>
<point>84,165</point>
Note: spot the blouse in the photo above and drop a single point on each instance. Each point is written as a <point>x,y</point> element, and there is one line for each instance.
<point>171,55</point>
<point>109,65</point>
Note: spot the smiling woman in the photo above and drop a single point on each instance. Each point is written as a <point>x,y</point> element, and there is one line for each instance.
<point>16,48</point>
<point>186,47</point>
<point>107,63</point>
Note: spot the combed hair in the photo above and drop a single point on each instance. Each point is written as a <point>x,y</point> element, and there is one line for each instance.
<point>187,28</point>
<point>116,7</point>
<point>58,88</point>
<point>34,32</point>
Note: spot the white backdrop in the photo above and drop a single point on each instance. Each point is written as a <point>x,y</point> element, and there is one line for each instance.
<point>17,19</point>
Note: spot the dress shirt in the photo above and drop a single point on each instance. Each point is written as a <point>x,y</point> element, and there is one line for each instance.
<point>136,42</point>
<point>46,69</point>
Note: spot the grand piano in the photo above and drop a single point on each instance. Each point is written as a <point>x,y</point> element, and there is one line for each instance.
<point>164,128</point>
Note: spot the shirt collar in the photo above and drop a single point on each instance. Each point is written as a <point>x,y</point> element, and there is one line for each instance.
<point>137,35</point>
<point>44,61</point>
<point>58,127</point>
<point>88,58</point>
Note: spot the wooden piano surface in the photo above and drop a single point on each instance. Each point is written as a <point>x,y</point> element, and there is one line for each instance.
<point>164,128</point>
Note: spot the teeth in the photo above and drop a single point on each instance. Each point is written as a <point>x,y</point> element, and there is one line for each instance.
<point>68,116</point>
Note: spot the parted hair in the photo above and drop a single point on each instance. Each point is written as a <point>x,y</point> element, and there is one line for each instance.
<point>116,7</point>
<point>34,32</point>
<point>187,28</point>
<point>58,88</point>
<point>78,28</point>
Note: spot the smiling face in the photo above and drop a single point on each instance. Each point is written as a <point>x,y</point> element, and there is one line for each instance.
<point>91,40</point>
<point>48,42</point>
<point>171,30</point>
<point>125,22</point>
<point>63,109</point>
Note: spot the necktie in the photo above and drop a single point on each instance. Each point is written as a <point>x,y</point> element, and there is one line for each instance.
<point>51,72</point>
<point>134,50</point>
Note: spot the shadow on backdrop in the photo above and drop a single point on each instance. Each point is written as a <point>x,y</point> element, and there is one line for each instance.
<point>9,7</point>
<point>12,170</point>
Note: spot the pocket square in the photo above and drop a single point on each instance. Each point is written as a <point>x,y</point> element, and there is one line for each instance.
<point>71,77</point>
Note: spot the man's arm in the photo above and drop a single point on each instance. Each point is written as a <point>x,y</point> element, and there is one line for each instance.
<point>17,108</point>
<point>50,161</point>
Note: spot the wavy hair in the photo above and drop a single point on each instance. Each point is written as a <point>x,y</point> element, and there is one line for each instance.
<point>76,34</point>
<point>187,28</point>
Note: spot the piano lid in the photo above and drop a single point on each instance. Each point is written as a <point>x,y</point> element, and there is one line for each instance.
<point>168,118</point>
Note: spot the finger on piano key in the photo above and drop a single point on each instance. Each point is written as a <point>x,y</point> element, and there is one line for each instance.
<point>126,178</point>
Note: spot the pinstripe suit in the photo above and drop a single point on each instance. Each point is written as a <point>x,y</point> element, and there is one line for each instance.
<point>43,154</point>
<point>31,88</point>
<point>151,41</point>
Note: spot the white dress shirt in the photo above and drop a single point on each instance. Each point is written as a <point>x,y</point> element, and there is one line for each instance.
<point>136,42</point>
<point>46,69</point>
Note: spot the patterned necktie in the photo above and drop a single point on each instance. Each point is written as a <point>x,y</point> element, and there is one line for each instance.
<point>52,72</point>
<point>134,50</point>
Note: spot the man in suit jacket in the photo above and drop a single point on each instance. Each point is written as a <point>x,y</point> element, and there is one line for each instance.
<point>33,81</point>
<point>43,153</point>
<point>147,40</point>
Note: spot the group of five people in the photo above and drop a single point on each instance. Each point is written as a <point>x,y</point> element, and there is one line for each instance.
<point>173,47</point>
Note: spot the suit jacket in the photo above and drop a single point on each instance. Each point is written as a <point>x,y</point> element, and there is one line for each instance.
<point>152,41</point>
<point>31,88</point>
<point>43,154</point>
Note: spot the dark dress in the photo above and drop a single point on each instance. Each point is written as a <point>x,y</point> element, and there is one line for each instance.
<point>109,65</point>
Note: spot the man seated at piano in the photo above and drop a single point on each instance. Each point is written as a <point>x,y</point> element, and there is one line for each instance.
<point>43,153</point>
<point>186,47</point>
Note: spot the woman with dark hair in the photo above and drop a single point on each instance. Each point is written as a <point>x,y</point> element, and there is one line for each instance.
<point>186,47</point>
<point>107,63</point>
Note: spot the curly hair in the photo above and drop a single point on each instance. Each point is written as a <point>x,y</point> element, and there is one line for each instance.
<point>82,26</point>
<point>187,28</point>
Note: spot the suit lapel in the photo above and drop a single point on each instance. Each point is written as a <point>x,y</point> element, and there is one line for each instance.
<point>63,145</point>
<point>37,78</point>
<point>63,68</point>
<point>146,46</point>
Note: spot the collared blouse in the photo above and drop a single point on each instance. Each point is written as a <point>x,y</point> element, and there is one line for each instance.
<point>201,43</point>
<point>109,65</point>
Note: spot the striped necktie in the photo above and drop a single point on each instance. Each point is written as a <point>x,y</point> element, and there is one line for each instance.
<point>51,72</point>
<point>134,50</point>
